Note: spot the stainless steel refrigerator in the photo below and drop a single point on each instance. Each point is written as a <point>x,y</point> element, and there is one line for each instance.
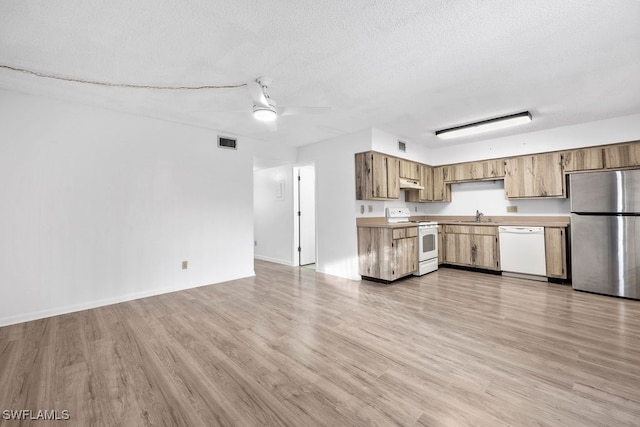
<point>605,232</point>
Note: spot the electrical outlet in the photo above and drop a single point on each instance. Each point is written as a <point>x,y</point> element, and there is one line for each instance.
<point>415,209</point>
<point>370,208</point>
<point>255,243</point>
<point>361,209</point>
<point>512,208</point>
<point>185,265</point>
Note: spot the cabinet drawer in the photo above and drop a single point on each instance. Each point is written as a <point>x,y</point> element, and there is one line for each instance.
<point>485,230</point>
<point>402,233</point>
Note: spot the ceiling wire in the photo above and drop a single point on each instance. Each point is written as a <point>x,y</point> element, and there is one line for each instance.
<point>123,85</point>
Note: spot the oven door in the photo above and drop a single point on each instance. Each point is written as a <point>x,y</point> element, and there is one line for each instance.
<point>427,242</point>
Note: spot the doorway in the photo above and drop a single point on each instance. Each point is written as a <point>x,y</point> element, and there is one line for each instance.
<point>304,178</point>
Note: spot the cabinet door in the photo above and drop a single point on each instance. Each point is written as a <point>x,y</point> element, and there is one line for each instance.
<point>483,252</point>
<point>622,156</point>
<point>376,253</point>
<point>473,250</point>
<point>583,159</point>
<point>369,240</point>
<point>473,171</point>
<point>441,190</point>
<point>534,176</point>
<point>379,175</point>
<point>376,176</point>
<point>440,245</point>
<point>556,251</point>
<point>409,169</point>
<point>406,256</point>
<point>457,248</point>
<point>393,177</point>
<point>426,177</point>
<point>453,173</point>
<point>371,176</point>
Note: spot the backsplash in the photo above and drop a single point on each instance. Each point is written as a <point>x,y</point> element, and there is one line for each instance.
<point>485,196</point>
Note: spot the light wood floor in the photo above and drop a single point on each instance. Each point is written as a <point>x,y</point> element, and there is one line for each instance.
<point>298,348</point>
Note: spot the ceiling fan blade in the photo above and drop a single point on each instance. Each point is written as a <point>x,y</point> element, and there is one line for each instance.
<point>289,111</point>
<point>257,94</point>
<point>218,110</point>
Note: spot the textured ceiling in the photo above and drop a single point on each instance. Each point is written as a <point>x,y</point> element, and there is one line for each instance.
<point>407,67</point>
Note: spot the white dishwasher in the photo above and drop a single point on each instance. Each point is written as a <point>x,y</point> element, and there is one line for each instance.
<point>522,252</point>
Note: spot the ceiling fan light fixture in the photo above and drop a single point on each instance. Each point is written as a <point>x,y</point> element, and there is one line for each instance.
<point>264,114</point>
<point>485,125</point>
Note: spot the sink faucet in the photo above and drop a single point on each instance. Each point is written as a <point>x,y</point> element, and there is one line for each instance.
<point>478,215</point>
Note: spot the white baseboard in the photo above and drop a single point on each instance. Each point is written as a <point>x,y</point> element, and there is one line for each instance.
<point>276,260</point>
<point>56,311</point>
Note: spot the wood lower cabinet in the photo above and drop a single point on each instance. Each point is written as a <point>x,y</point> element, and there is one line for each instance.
<point>387,253</point>
<point>377,176</point>
<point>472,246</point>
<point>539,175</point>
<point>583,159</point>
<point>622,155</point>
<point>555,240</point>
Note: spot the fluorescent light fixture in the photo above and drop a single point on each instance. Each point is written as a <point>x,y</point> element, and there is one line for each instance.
<point>264,114</point>
<point>485,125</point>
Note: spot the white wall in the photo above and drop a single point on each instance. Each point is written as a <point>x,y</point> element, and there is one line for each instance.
<point>273,214</point>
<point>488,198</point>
<point>387,143</point>
<point>337,242</point>
<point>100,207</point>
<point>610,131</point>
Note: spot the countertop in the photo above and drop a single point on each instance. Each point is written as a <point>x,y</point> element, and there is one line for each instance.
<point>531,221</point>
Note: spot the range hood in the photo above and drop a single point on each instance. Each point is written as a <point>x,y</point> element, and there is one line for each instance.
<point>410,184</point>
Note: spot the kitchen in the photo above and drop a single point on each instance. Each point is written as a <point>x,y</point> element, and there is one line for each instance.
<point>535,248</point>
<point>337,245</point>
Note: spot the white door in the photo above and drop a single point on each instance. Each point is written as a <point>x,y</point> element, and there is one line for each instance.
<point>307,214</point>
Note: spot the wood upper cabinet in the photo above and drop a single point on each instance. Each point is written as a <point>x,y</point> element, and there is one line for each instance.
<point>441,190</point>
<point>538,175</point>
<point>377,176</point>
<point>472,246</point>
<point>583,159</point>
<point>622,155</point>
<point>393,179</point>
<point>555,240</point>
<point>426,179</point>
<point>387,253</point>
<point>409,169</point>
<point>472,171</point>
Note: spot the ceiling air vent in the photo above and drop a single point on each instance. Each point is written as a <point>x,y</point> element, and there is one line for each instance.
<point>402,146</point>
<point>226,142</point>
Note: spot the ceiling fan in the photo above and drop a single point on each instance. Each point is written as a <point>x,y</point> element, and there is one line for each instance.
<point>266,109</point>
